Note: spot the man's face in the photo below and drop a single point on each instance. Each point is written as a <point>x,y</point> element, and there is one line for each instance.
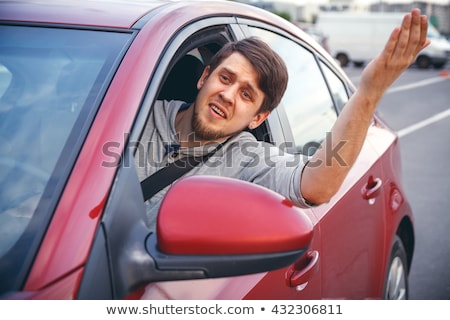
<point>229,100</point>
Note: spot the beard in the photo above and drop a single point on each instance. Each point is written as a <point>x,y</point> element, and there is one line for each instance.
<point>205,133</point>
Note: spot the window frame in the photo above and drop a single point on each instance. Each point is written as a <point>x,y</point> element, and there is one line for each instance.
<point>175,49</point>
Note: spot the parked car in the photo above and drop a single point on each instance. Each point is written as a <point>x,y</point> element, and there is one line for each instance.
<point>77,82</point>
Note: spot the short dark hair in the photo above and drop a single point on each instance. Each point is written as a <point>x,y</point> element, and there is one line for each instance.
<point>272,71</point>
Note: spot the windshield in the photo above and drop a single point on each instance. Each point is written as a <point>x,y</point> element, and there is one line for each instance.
<point>51,80</point>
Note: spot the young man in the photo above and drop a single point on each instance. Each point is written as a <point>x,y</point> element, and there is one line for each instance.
<point>238,90</point>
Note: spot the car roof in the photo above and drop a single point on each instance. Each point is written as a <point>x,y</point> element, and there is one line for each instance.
<point>123,14</point>
<point>133,14</point>
<point>98,13</point>
<point>112,13</point>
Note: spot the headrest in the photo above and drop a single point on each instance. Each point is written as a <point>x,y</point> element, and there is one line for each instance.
<point>181,84</point>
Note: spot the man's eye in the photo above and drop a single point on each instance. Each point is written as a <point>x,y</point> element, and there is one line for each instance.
<point>224,78</point>
<point>246,95</point>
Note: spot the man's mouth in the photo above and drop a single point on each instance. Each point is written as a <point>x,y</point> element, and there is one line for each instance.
<point>217,110</point>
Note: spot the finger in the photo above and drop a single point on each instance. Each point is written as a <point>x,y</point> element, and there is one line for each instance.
<point>415,34</point>
<point>424,41</point>
<point>403,38</point>
<point>391,44</point>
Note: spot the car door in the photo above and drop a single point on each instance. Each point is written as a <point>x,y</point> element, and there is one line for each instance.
<point>349,235</point>
<point>119,265</point>
<point>299,281</point>
<point>353,235</point>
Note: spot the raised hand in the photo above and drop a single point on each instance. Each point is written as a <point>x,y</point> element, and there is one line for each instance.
<point>320,183</point>
<point>399,53</point>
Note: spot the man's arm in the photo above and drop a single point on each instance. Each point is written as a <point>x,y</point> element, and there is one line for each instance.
<point>322,179</point>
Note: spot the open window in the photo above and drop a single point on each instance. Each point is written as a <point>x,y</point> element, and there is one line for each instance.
<point>180,82</point>
<point>187,67</point>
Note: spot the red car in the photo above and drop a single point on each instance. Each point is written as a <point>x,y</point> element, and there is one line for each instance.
<point>77,82</point>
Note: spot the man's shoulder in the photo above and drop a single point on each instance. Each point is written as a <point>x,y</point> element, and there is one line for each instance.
<point>243,136</point>
<point>246,143</point>
<point>164,109</point>
<point>172,104</point>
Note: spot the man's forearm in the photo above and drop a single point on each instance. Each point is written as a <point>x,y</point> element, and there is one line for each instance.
<point>324,176</point>
<point>326,171</point>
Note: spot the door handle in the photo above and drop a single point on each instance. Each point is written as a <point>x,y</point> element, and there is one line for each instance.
<point>372,189</point>
<point>301,272</point>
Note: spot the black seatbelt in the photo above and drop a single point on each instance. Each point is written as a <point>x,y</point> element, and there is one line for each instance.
<point>165,176</point>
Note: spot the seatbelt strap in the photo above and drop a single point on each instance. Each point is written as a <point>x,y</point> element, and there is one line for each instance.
<point>167,175</point>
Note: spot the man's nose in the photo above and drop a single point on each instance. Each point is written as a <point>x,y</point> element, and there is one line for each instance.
<point>228,93</point>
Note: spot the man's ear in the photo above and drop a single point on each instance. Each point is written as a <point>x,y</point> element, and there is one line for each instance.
<point>203,77</point>
<point>258,119</point>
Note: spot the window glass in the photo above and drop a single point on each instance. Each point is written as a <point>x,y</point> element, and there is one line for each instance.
<point>337,87</point>
<point>5,79</point>
<point>48,76</point>
<point>308,104</point>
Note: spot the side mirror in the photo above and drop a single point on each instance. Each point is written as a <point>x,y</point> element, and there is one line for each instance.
<point>212,227</point>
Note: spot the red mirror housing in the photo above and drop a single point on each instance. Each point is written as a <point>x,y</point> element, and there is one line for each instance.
<point>203,215</point>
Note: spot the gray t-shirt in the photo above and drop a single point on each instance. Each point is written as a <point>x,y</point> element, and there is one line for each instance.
<point>241,157</point>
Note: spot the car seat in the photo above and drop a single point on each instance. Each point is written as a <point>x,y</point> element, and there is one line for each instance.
<point>181,84</point>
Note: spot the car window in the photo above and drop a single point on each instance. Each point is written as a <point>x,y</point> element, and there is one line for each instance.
<point>179,82</point>
<point>48,78</point>
<point>179,70</point>
<point>307,102</point>
<point>186,67</point>
<point>337,87</point>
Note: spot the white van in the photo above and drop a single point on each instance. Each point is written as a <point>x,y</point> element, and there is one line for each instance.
<point>358,37</point>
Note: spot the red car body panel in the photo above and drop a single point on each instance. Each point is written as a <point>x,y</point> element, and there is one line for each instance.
<point>336,261</point>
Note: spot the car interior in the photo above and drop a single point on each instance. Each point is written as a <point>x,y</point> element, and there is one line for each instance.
<point>181,83</point>
<point>186,71</point>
